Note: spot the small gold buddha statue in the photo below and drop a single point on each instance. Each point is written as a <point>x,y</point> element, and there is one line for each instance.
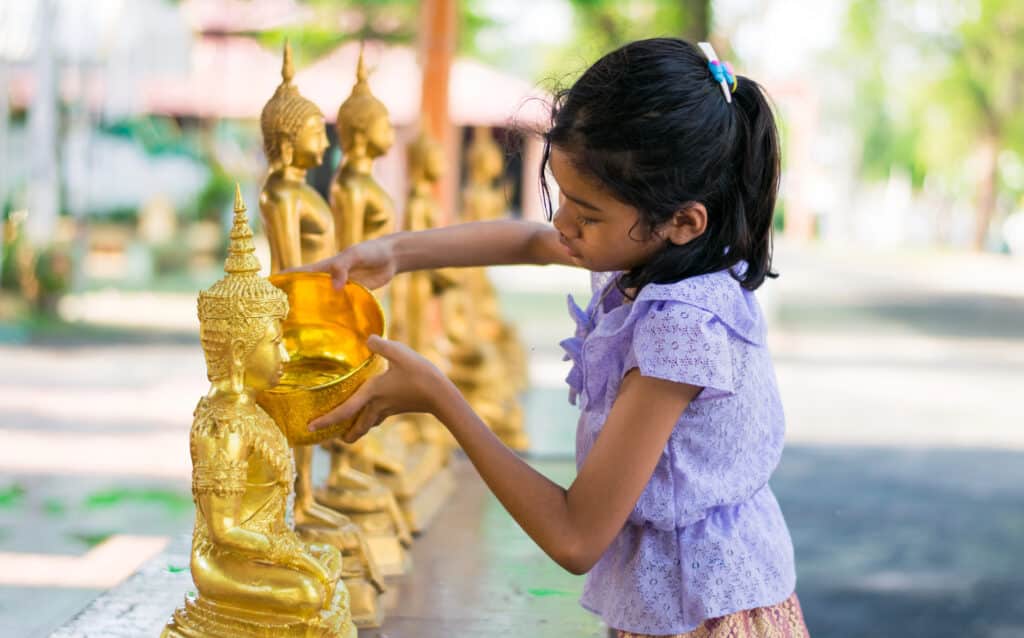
<point>425,481</point>
<point>362,209</point>
<point>496,386</point>
<point>482,200</point>
<point>299,225</point>
<point>300,230</point>
<point>254,576</point>
<point>411,293</point>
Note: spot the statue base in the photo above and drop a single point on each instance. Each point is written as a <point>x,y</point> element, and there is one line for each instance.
<point>200,618</point>
<point>422,505</point>
<point>388,551</point>
<point>367,608</point>
<point>391,557</point>
<point>364,593</point>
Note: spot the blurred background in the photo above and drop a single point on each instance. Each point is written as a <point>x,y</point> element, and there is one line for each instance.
<point>897,324</point>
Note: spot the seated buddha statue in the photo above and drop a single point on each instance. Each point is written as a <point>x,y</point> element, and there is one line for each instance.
<point>300,230</point>
<point>253,575</point>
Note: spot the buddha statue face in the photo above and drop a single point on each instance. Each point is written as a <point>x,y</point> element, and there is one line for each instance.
<point>380,135</point>
<point>364,131</point>
<point>484,157</point>
<point>363,125</point>
<point>264,364</point>
<point>240,318</point>
<point>309,143</point>
<point>426,160</point>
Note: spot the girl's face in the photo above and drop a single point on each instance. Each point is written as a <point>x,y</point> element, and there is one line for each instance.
<point>599,232</point>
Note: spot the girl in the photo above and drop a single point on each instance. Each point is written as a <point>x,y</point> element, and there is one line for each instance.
<point>667,167</point>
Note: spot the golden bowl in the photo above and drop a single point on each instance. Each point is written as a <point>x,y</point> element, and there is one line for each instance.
<point>325,335</point>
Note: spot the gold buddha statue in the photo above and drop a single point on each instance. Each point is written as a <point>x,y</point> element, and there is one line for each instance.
<point>412,294</point>
<point>253,574</point>
<point>300,230</point>
<point>362,211</point>
<point>495,378</point>
<point>298,223</point>
<point>426,444</point>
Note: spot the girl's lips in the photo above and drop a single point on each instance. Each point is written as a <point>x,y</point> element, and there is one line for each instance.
<point>568,248</point>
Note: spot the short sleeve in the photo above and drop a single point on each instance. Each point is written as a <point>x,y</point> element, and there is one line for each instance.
<point>683,343</point>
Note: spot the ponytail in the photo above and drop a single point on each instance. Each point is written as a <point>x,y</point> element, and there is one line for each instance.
<point>757,172</point>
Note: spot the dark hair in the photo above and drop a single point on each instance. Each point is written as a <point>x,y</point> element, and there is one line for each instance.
<point>652,125</point>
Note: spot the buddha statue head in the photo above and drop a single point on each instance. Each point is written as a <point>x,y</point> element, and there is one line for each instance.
<point>426,159</point>
<point>293,127</point>
<point>363,125</point>
<point>240,318</point>
<point>484,157</point>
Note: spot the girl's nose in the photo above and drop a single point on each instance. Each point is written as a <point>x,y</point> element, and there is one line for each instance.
<point>561,223</point>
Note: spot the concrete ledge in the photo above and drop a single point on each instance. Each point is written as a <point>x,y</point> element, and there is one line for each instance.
<point>476,574</point>
<point>139,606</point>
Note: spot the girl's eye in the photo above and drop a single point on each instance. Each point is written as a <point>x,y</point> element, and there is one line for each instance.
<point>586,221</point>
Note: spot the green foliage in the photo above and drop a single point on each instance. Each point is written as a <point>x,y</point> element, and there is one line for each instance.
<point>11,495</point>
<point>396,21</point>
<point>53,269</point>
<point>216,195</point>
<point>156,134</point>
<point>90,539</point>
<point>605,25</point>
<point>175,503</point>
<point>963,81</point>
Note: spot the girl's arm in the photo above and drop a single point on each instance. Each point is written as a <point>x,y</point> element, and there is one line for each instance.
<point>573,526</point>
<point>373,263</point>
<point>493,243</point>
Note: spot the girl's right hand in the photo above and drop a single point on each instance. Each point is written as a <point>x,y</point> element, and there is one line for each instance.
<point>370,263</point>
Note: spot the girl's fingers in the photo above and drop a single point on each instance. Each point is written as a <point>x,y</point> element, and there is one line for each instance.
<point>346,410</point>
<point>390,350</point>
<point>339,274</point>
<point>368,418</point>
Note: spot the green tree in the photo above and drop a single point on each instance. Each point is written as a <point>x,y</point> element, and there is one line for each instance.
<point>984,86</point>
<point>396,21</point>
<point>926,99</point>
<point>604,25</point>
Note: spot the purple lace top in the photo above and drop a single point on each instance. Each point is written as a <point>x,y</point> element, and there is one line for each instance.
<point>707,537</point>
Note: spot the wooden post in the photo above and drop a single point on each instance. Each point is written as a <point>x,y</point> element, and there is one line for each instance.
<point>437,50</point>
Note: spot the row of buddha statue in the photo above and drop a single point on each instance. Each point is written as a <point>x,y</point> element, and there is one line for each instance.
<point>272,554</point>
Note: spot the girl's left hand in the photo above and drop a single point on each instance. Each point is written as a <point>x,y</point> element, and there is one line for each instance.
<point>411,384</point>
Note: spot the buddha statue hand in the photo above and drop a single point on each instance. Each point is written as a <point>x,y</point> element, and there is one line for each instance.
<point>314,514</point>
<point>329,557</point>
<point>297,557</point>
<point>369,456</point>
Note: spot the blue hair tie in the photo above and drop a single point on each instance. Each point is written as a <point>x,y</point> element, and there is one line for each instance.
<point>721,71</point>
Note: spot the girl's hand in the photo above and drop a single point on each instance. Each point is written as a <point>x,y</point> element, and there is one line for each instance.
<point>370,263</point>
<point>411,384</point>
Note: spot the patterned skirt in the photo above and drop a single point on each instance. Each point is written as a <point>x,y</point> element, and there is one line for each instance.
<point>784,620</point>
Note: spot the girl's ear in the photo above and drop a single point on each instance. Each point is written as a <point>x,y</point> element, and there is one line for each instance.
<point>687,224</point>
